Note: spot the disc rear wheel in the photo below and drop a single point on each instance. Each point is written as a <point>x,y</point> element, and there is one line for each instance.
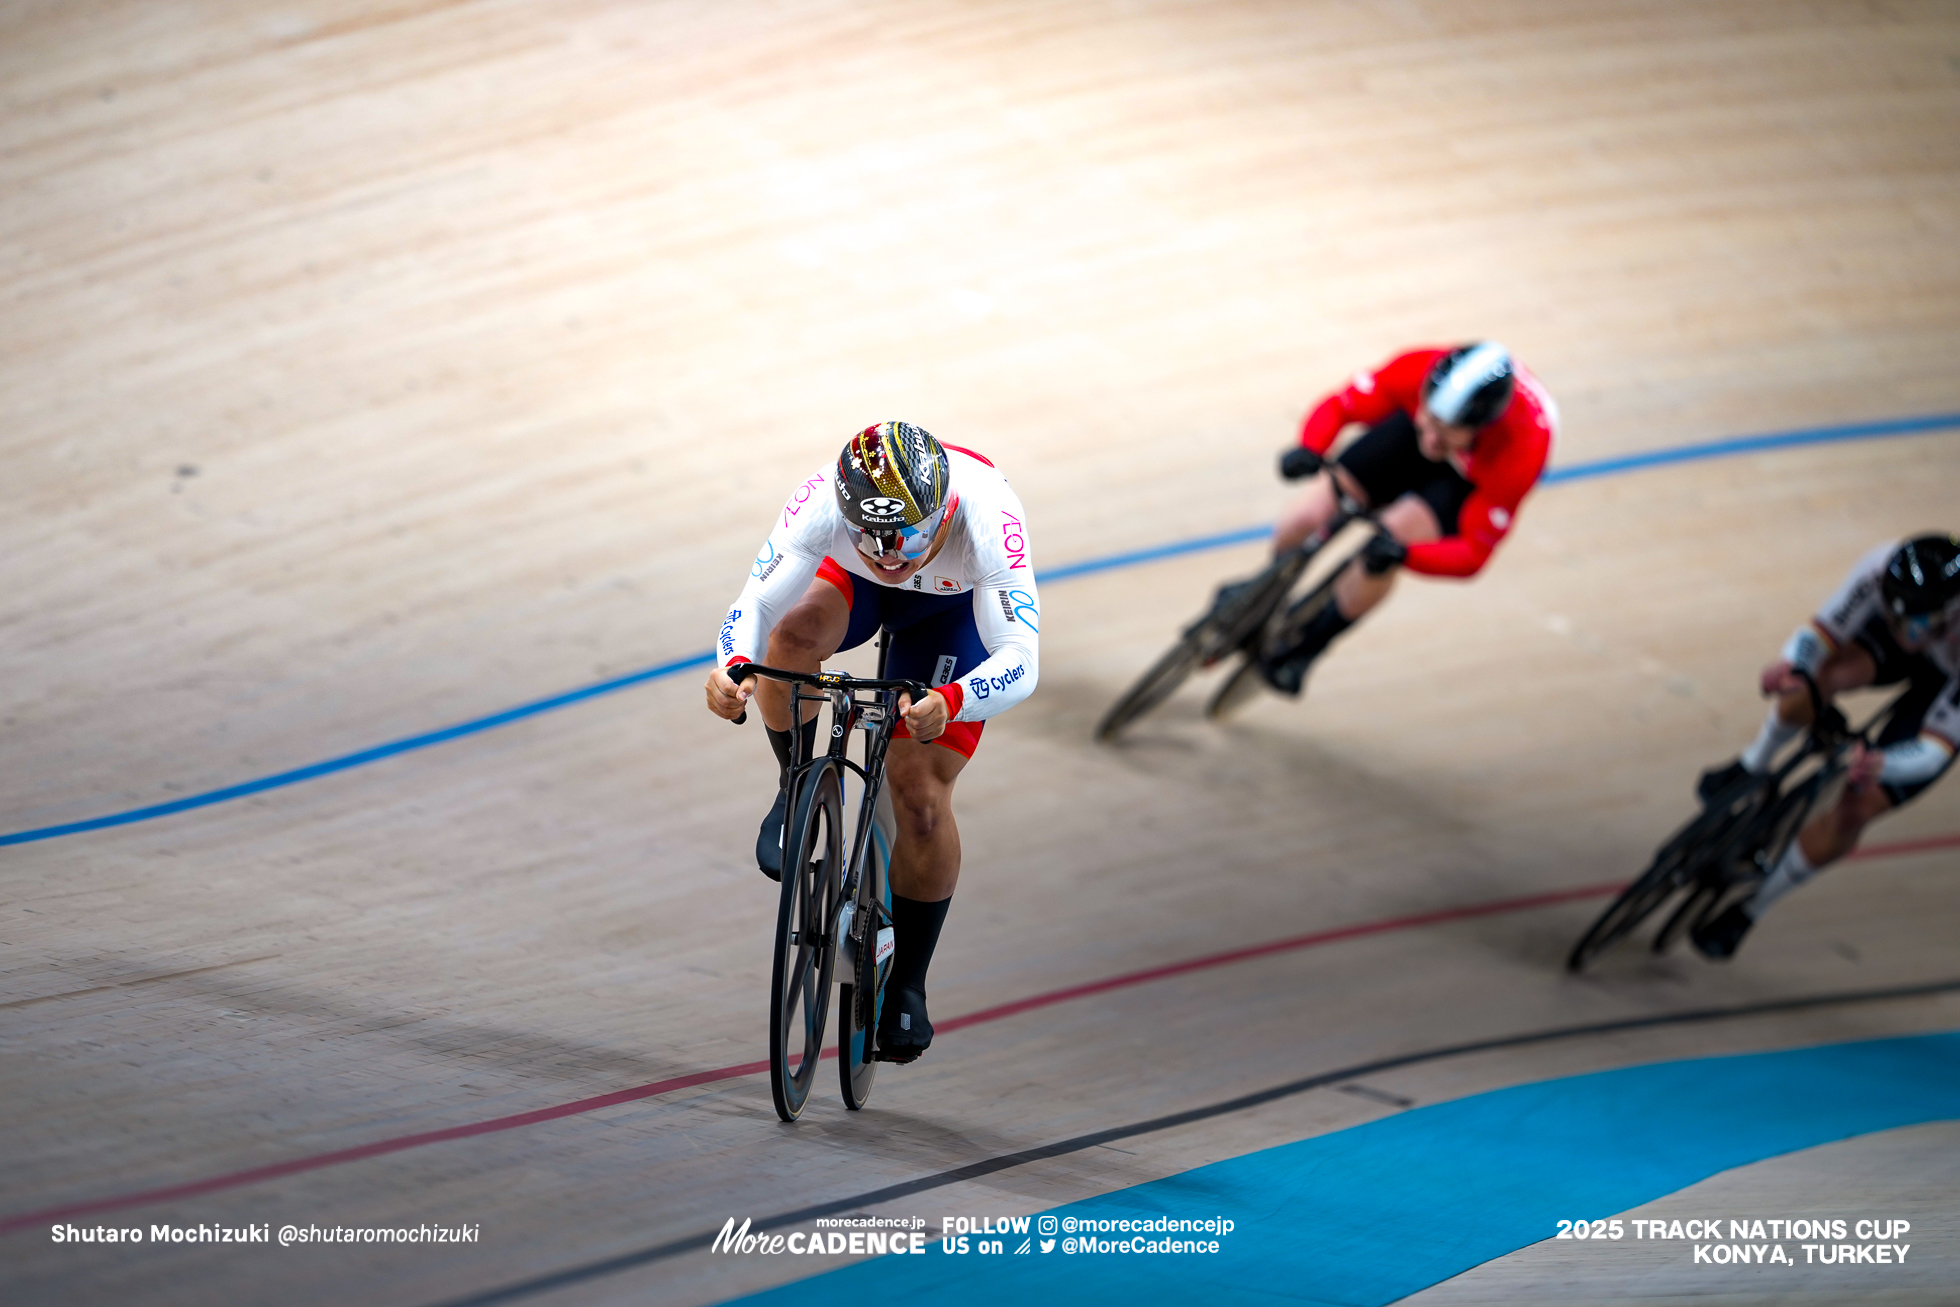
<point>862,995</point>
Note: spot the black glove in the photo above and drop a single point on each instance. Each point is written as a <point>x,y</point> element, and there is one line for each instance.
<point>1300,462</point>
<point>1382,552</point>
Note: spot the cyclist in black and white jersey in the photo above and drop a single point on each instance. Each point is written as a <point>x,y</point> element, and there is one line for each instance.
<point>1895,619</point>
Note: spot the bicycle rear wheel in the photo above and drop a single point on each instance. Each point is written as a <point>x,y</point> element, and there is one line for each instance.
<point>861,998</point>
<point>1694,909</point>
<point>1236,690</point>
<point>1763,831</point>
<point>806,950</point>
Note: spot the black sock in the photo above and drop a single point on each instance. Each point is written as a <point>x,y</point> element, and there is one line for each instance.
<point>1320,632</point>
<point>780,741</point>
<point>915,934</point>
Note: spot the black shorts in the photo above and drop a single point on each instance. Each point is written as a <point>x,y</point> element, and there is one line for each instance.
<point>1924,683</point>
<point>1387,460</point>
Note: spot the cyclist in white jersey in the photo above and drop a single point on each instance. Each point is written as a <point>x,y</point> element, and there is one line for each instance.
<point>1895,619</point>
<point>929,542</point>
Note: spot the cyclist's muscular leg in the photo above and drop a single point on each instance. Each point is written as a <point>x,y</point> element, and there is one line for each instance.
<point>1409,519</point>
<point>1835,832</point>
<point>1824,839</point>
<point>1313,509</point>
<point>926,858</point>
<point>809,633</point>
<point>925,867</point>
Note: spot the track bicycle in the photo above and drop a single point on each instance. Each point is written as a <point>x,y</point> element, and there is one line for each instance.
<point>1250,618</point>
<point>1729,846</point>
<point>835,909</point>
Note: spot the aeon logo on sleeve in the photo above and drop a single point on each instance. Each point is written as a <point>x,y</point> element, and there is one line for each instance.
<point>800,498</point>
<point>1013,539</point>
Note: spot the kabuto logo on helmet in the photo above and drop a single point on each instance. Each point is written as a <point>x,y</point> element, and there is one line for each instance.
<point>877,506</point>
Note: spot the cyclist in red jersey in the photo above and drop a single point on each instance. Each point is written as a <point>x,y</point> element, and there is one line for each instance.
<point>1456,438</point>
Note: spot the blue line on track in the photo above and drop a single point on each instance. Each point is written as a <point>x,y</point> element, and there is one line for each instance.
<point>1601,467</point>
<point>1068,571</point>
<point>364,757</point>
<point>1373,1213</point>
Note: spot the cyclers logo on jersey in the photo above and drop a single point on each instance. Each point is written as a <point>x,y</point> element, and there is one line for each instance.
<point>1018,606</point>
<point>983,686</point>
<point>880,507</point>
<point>728,631</point>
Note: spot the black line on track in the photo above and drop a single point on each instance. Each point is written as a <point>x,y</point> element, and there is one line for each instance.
<point>992,1165</point>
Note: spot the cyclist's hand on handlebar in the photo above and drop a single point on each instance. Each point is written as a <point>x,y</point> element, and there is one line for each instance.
<point>926,719</point>
<point>1862,767</point>
<point>1780,678</point>
<point>1300,462</point>
<point>1382,552</point>
<point>727,697</point>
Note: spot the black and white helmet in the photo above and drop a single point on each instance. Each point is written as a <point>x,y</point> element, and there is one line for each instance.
<point>1470,386</point>
<point>1922,578</point>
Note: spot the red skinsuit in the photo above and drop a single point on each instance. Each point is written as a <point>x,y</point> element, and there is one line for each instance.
<point>1503,465</point>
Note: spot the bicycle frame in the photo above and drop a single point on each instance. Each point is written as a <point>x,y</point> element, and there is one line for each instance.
<point>1830,735</point>
<point>869,705</point>
<point>1730,842</point>
<point>1285,570</point>
<point>1246,617</point>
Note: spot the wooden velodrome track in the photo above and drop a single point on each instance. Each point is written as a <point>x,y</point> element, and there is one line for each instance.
<point>373,369</point>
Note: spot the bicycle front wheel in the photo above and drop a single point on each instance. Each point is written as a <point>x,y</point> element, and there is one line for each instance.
<point>1235,619</point>
<point>1623,916</point>
<point>1157,684</point>
<point>806,949</point>
<point>1685,859</point>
